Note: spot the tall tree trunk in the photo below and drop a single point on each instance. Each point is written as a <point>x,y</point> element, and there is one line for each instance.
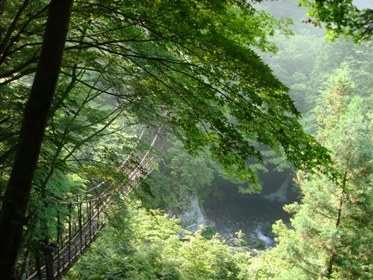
<point>32,131</point>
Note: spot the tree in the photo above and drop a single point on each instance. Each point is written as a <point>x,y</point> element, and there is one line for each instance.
<point>140,244</point>
<point>32,130</point>
<point>179,176</point>
<point>200,79</point>
<point>330,231</point>
<point>341,18</point>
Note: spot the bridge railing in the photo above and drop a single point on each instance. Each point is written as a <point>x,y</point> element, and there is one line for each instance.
<point>85,217</point>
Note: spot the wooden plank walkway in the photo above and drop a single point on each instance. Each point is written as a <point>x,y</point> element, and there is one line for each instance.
<point>70,252</point>
<point>58,259</point>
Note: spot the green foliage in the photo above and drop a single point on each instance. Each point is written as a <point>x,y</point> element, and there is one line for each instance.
<point>149,245</point>
<point>189,66</point>
<point>341,18</point>
<point>307,72</point>
<point>331,230</point>
<point>199,78</point>
<point>43,210</point>
<point>180,175</point>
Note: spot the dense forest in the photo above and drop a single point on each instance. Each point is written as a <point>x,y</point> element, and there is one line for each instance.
<point>186,139</point>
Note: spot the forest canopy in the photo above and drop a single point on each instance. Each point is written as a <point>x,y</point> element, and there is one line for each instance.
<point>342,18</point>
<point>80,79</point>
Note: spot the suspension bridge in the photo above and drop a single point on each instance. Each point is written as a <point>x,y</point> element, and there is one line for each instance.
<point>85,217</point>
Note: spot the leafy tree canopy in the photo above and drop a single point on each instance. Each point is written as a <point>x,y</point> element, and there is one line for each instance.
<point>199,77</point>
<point>149,245</point>
<point>341,18</point>
<point>189,66</point>
<point>330,232</point>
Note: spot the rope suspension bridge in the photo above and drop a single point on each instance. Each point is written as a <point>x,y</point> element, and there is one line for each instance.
<point>85,217</point>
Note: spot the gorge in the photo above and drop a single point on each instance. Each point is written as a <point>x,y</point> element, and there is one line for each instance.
<point>226,211</point>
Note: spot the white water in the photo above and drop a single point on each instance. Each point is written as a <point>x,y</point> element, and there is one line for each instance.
<point>281,194</point>
<point>268,243</point>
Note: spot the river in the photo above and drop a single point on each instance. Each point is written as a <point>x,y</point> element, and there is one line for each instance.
<point>229,211</point>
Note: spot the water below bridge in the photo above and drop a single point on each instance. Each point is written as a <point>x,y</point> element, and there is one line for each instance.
<point>229,211</point>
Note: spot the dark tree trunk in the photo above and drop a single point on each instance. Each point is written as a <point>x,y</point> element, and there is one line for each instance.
<point>32,131</point>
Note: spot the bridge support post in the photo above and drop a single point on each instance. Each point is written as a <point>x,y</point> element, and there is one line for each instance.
<point>49,267</point>
<point>80,225</point>
<point>90,219</point>
<point>59,240</point>
<point>38,265</point>
<point>69,240</point>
